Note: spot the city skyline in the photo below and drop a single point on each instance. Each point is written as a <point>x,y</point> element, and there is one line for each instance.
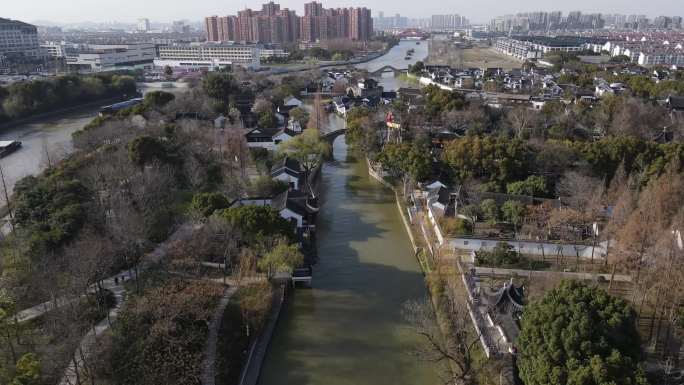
<point>130,11</point>
<point>273,24</point>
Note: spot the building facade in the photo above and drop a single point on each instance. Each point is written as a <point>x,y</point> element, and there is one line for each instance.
<point>143,25</point>
<point>211,27</point>
<point>527,47</point>
<point>661,56</point>
<point>210,56</point>
<point>18,40</point>
<point>273,24</point>
<point>110,57</point>
<point>448,22</point>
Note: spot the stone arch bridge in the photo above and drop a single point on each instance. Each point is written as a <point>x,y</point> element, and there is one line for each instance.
<point>388,68</point>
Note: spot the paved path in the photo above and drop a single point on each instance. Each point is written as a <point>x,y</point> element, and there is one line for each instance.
<point>155,256</point>
<point>257,353</point>
<point>529,273</point>
<point>209,362</point>
<point>90,340</point>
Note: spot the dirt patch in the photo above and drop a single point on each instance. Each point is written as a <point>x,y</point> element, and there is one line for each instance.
<point>444,52</point>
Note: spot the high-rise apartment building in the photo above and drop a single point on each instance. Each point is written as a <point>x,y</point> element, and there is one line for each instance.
<point>228,28</point>
<point>275,25</point>
<point>360,24</point>
<point>270,9</point>
<point>211,27</point>
<point>448,22</point>
<point>545,21</point>
<point>143,25</point>
<point>313,9</point>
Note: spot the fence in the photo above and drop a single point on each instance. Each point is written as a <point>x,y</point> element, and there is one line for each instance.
<point>550,249</point>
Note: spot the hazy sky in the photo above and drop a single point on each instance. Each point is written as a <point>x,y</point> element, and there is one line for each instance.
<point>167,10</point>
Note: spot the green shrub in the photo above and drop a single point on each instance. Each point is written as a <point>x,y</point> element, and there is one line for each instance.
<point>501,256</point>
<point>456,226</point>
<point>205,204</point>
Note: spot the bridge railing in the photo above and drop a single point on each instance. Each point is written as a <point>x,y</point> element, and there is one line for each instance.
<point>333,134</point>
<point>387,69</point>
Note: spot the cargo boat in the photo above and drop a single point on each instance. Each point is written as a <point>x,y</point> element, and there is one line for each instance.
<point>8,147</point>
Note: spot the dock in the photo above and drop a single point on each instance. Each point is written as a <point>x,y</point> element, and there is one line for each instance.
<point>302,275</point>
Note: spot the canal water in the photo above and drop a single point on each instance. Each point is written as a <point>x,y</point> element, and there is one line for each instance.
<point>347,329</point>
<point>396,58</point>
<point>54,135</point>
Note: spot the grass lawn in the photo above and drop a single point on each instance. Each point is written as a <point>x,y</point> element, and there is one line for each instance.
<point>487,57</point>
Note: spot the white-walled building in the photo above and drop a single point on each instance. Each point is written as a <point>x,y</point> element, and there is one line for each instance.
<point>111,57</point>
<point>271,53</point>
<point>54,49</point>
<point>293,206</point>
<point>663,56</point>
<point>210,56</point>
<point>289,171</point>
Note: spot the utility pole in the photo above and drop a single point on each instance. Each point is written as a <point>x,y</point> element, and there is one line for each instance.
<point>7,200</point>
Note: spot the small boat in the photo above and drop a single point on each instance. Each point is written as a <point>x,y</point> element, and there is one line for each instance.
<point>417,43</point>
<point>8,147</point>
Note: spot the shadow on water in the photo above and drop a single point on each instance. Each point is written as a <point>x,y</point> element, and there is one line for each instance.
<point>348,329</point>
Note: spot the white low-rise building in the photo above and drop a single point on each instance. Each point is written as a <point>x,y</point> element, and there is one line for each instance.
<point>289,171</point>
<point>111,57</point>
<point>210,56</point>
<point>663,56</point>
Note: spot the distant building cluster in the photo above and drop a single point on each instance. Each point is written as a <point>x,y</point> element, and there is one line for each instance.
<point>644,49</point>
<point>276,26</point>
<point>143,25</point>
<point>536,47</point>
<point>618,21</point>
<point>443,23</point>
<point>552,21</point>
<point>649,51</point>
<point>399,22</point>
<point>543,21</point>
<point>382,23</point>
<point>448,22</point>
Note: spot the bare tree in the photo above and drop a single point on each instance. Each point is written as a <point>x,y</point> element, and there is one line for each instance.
<point>318,118</point>
<point>635,118</point>
<point>453,344</point>
<point>583,192</point>
<point>520,119</point>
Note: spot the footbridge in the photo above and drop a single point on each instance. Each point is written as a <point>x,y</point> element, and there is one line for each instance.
<point>330,136</point>
<point>388,68</point>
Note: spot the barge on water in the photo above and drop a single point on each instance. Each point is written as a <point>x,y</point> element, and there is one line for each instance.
<point>8,147</point>
<point>114,108</point>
